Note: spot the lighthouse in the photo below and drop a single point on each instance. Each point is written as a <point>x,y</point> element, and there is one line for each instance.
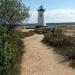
<point>41,21</point>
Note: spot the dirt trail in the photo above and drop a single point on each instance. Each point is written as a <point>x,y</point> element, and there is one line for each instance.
<point>41,60</point>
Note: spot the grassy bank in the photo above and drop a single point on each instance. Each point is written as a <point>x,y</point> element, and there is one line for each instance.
<point>64,45</point>
<point>11,50</point>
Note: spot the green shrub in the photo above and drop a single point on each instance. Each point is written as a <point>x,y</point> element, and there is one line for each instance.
<point>11,50</point>
<point>10,44</point>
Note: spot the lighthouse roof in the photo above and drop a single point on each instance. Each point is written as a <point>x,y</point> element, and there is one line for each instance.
<point>41,8</point>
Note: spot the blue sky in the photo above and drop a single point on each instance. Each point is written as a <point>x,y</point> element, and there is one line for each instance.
<point>56,10</point>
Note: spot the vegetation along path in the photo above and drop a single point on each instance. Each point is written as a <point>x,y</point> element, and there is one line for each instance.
<point>41,60</point>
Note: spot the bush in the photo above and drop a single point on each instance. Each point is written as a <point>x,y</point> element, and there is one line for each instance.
<point>11,49</point>
<point>10,46</point>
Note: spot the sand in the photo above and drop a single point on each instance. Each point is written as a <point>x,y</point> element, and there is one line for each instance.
<point>42,60</point>
<point>26,30</point>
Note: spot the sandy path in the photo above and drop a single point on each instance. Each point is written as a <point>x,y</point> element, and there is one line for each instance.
<point>27,30</point>
<point>41,60</point>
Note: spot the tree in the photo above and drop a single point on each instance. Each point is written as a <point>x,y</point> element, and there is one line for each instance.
<point>12,12</point>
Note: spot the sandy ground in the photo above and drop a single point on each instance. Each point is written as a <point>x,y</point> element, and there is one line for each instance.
<point>26,30</point>
<point>69,34</point>
<point>41,60</point>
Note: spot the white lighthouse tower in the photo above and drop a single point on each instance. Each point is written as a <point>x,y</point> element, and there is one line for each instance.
<point>41,21</point>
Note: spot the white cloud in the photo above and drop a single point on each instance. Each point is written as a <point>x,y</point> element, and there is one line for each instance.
<point>55,15</point>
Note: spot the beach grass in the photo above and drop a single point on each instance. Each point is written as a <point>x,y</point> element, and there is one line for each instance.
<point>63,44</point>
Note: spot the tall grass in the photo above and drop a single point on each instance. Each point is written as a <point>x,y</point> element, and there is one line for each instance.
<point>64,45</point>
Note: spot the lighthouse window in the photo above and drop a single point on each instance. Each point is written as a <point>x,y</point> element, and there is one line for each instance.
<point>40,15</point>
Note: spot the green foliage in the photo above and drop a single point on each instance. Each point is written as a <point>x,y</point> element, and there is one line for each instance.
<point>12,12</point>
<point>11,48</point>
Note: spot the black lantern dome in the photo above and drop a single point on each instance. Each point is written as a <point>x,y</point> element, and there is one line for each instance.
<point>41,8</point>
